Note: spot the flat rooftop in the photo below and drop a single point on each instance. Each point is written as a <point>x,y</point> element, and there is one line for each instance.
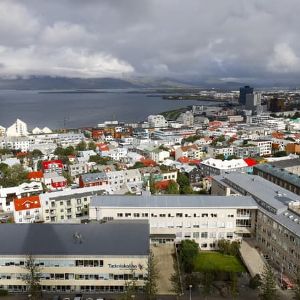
<point>113,238</point>
<point>175,201</point>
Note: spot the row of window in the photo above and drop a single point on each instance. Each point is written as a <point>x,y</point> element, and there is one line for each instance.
<point>169,215</point>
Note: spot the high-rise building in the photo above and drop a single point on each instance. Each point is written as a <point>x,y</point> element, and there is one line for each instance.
<point>276,104</point>
<point>243,92</point>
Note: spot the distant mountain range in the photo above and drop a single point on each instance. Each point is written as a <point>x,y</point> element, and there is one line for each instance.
<point>63,83</point>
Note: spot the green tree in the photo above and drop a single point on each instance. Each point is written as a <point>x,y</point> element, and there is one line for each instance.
<point>99,160</point>
<point>81,146</point>
<point>92,146</point>
<point>296,290</point>
<point>184,184</point>
<point>13,176</point>
<point>207,281</point>
<point>255,282</point>
<point>130,287</point>
<point>189,250</point>
<point>152,278</point>
<point>33,277</point>
<point>176,283</point>
<point>36,153</point>
<point>3,167</point>
<point>68,177</point>
<point>268,289</point>
<point>233,285</point>
<point>172,188</point>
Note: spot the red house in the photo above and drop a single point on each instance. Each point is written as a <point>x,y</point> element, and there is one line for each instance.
<point>51,166</point>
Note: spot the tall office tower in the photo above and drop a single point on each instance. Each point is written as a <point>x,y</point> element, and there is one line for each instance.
<point>243,92</point>
<point>253,103</point>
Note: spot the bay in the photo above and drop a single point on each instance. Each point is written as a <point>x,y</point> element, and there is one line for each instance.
<point>74,110</point>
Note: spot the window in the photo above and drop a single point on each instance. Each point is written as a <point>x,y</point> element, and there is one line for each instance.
<point>204,235</point>
<point>196,235</point>
<point>78,201</point>
<point>229,235</point>
<point>119,215</point>
<point>204,215</point>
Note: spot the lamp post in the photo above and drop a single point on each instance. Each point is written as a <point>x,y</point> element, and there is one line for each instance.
<point>190,286</point>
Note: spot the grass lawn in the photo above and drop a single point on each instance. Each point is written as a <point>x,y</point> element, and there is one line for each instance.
<point>215,261</point>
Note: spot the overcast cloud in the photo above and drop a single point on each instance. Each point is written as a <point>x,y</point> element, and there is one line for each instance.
<point>225,39</point>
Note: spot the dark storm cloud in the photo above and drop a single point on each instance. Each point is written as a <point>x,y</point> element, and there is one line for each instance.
<point>193,38</point>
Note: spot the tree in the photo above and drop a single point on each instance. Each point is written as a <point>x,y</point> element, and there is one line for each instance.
<point>152,277</point>
<point>172,188</point>
<point>207,281</point>
<point>189,250</point>
<point>99,160</point>
<point>36,153</point>
<point>68,177</point>
<point>268,289</point>
<point>12,176</point>
<point>130,287</point>
<point>175,280</point>
<point>297,287</point>
<point>233,285</point>
<point>33,277</point>
<point>92,146</point>
<point>81,146</point>
<point>255,282</point>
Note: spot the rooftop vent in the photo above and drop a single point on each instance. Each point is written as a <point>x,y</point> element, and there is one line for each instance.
<point>77,237</point>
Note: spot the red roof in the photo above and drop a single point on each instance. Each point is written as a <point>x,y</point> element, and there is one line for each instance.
<point>49,163</point>
<point>148,162</point>
<point>20,154</point>
<point>250,162</point>
<point>34,175</point>
<point>27,203</point>
<point>186,160</point>
<point>162,185</point>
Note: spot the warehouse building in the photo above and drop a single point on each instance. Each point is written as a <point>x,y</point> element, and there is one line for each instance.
<point>75,257</point>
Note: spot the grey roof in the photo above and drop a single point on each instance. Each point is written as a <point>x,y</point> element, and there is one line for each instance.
<point>91,177</point>
<point>262,190</point>
<point>172,201</point>
<point>58,239</point>
<point>286,163</point>
<point>284,219</point>
<point>280,173</point>
<point>76,195</point>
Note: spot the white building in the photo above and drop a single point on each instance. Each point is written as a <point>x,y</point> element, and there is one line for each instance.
<point>16,143</point>
<point>75,258</point>
<point>2,130</point>
<point>27,210</point>
<point>186,118</point>
<point>212,166</point>
<point>159,155</point>
<point>157,121</point>
<point>7,195</point>
<point>206,219</point>
<point>68,205</point>
<point>265,147</point>
<point>19,128</point>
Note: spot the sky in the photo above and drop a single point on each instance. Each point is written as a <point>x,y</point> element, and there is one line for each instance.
<point>226,40</point>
